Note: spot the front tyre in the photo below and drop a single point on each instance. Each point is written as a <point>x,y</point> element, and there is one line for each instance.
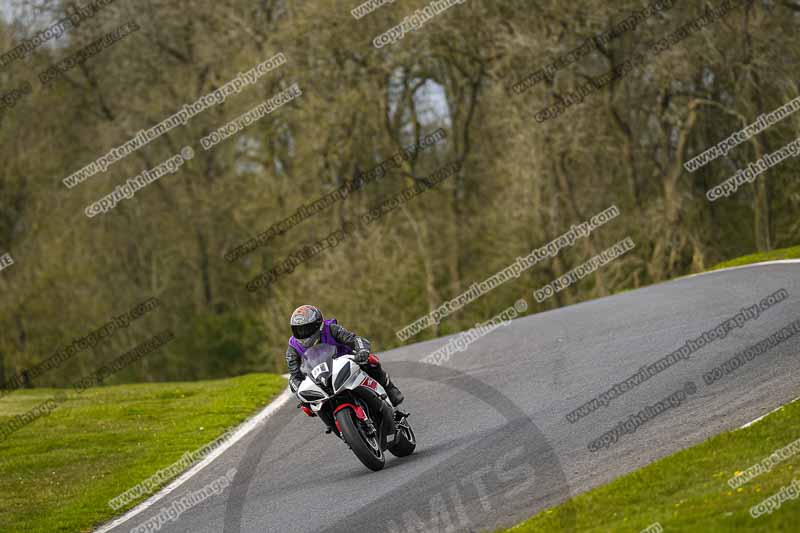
<point>367,449</point>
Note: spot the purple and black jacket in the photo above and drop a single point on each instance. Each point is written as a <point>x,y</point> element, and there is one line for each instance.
<point>332,333</point>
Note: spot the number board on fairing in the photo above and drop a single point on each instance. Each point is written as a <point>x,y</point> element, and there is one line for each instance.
<point>319,369</point>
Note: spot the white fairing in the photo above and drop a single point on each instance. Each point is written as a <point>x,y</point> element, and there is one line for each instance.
<point>309,385</point>
<point>358,378</point>
<point>345,363</point>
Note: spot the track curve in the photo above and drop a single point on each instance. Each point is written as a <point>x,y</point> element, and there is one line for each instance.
<point>494,444</point>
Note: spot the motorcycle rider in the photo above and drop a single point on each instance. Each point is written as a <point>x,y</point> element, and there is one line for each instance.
<point>309,328</point>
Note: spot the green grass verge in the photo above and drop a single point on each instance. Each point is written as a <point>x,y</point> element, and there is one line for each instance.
<point>59,472</point>
<point>773,255</point>
<point>783,253</point>
<point>689,491</point>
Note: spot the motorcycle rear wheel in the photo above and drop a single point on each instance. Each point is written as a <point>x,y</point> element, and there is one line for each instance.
<point>368,450</point>
<point>405,441</point>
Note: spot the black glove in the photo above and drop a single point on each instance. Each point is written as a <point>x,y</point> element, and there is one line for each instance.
<point>362,356</point>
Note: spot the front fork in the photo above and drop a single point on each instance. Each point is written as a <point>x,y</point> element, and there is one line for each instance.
<point>332,406</point>
<point>361,407</point>
<point>362,416</point>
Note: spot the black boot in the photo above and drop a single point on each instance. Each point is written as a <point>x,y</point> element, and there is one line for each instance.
<point>395,396</point>
<point>377,373</point>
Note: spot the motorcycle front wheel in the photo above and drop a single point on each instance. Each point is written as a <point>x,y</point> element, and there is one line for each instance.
<point>367,449</point>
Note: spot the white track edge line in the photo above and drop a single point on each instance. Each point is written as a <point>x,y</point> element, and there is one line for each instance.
<point>762,263</point>
<point>278,402</point>
<point>767,414</point>
<point>243,430</point>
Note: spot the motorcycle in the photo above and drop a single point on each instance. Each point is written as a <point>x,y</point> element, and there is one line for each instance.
<point>365,419</point>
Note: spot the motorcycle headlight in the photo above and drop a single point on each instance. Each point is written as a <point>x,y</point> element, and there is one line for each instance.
<point>311,395</point>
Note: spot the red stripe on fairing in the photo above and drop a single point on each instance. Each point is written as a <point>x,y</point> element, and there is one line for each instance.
<point>369,383</point>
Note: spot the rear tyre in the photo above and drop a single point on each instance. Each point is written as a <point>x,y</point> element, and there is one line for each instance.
<point>405,441</point>
<point>368,450</point>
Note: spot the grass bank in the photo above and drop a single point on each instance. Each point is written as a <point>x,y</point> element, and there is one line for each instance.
<point>59,472</point>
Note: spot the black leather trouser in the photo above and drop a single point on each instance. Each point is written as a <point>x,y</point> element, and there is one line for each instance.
<point>376,372</point>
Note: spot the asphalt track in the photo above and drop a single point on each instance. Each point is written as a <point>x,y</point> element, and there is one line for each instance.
<point>494,444</point>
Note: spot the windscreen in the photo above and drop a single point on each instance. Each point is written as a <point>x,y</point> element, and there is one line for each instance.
<point>315,356</point>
